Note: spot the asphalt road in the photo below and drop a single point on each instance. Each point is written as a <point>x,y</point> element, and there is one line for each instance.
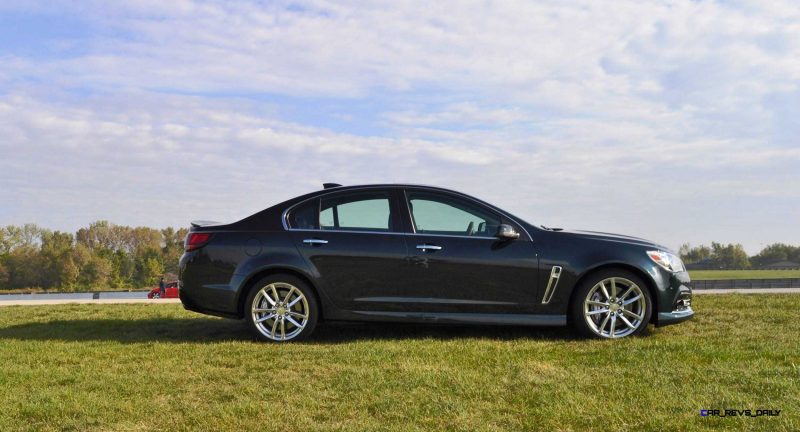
<point>749,291</point>
<point>40,301</point>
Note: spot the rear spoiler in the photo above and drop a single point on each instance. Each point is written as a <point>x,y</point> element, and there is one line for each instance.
<point>204,223</point>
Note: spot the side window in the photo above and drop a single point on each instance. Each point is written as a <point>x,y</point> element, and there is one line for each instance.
<point>364,211</point>
<point>440,214</point>
<point>304,216</point>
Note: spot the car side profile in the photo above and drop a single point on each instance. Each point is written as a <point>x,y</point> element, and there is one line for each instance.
<point>408,253</point>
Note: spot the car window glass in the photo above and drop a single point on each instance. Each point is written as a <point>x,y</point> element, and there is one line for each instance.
<point>304,216</point>
<point>434,214</point>
<point>362,211</point>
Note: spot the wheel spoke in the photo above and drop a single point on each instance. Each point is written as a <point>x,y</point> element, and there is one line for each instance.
<point>613,287</point>
<point>629,301</point>
<point>632,314</point>
<point>275,328</point>
<point>264,318</point>
<point>275,292</point>
<point>603,288</point>
<point>283,330</point>
<point>603,324</point>
<point>596,303</point>
<point>263,293</point>
<point>628,291</point>
<point>298,314</point>
<point>598,311</point>
<point>289,295</point>
<point>613,323</point>
<point>627,323</point>
<point>262,310</point>
<point>295,323</point>
<point>294,302</point>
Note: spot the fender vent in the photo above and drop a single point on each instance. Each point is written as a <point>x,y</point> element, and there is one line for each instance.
<point>552,283</point>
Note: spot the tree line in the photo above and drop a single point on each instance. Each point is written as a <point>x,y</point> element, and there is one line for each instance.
<point>100,256</point>
<point>734,257</point>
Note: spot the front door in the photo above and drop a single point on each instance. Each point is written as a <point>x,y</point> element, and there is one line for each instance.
<point>458,260</point>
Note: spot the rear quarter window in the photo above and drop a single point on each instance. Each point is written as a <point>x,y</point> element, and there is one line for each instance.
<point>304,216</point>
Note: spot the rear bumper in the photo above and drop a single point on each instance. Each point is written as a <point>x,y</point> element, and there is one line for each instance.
<point>191,305</point>
<point>197,291</point>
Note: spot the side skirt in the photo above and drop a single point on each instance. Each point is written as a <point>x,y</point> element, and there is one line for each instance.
<point>465,318</point>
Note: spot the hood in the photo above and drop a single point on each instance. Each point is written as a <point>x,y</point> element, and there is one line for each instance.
<point>619,238</point>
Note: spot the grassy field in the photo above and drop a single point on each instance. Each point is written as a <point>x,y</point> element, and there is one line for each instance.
<point>743,274</point>
<point>158,367</point>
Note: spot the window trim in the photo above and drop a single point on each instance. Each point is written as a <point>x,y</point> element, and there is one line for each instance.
<point>402,190</point>
<point>390,196</point>
<point>407,202</point>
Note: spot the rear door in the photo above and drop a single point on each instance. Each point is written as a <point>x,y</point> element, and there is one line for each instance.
<point>460,263</point>
<point>354,241</point>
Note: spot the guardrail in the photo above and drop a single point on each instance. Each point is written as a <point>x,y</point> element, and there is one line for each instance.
<point>745,283</point>
<point>76,296</point>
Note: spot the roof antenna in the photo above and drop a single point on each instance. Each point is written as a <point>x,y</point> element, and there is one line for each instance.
<point>330,185</point>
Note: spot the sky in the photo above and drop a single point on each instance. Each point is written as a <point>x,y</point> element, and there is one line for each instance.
<point>676,121</point>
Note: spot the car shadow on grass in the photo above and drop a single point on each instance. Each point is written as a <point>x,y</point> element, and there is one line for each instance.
<point>212,330</point>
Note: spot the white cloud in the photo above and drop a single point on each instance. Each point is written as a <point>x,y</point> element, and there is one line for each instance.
<point>644,112</point>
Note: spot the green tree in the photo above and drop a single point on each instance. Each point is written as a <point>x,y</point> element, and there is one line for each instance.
<point>59,269</point>
<point>173,248</point>
<point>731,256</point>
<point>691,254</point>
<point>3,273</point>
<point>777,252</point>
<point>153,270</point>
<point>23,266</point>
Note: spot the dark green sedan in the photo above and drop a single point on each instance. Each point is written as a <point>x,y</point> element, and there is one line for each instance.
<point>408,253</point>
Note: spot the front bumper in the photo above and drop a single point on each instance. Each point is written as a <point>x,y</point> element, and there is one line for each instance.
<point>681,305</point>
<point>674,317</point>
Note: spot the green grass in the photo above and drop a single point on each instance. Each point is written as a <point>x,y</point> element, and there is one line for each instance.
<point>743,274</point>
<point>158,367</point>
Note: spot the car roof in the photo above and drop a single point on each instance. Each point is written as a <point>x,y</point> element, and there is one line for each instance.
<point>387,185</point>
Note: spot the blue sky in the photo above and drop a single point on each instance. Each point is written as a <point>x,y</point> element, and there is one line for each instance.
<point>672,120</point>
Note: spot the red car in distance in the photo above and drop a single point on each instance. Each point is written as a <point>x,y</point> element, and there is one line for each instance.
<point>170,291</point>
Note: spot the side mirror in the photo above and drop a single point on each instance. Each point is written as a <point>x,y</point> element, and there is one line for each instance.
<point>505,231</point>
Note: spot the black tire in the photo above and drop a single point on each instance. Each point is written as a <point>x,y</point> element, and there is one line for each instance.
<point>283,283</point>
<point>578,313</point>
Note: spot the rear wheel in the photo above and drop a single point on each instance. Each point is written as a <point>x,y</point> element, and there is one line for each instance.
<point>612,304</point>
<point>281,308</point>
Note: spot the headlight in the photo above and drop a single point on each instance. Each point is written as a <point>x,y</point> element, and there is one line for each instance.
<point>667,260</point>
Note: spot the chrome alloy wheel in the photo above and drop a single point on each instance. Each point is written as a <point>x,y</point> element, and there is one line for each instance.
<point>614,308</point>
<point>280,311</point>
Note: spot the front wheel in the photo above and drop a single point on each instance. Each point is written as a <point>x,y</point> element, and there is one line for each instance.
<point>281,308</point>
<point>612,304</point>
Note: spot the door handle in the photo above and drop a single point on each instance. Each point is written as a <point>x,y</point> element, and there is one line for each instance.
<point>427,247</point>
<point>315,241</point>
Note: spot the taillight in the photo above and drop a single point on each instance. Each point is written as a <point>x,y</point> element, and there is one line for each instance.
<point>196,241</point>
